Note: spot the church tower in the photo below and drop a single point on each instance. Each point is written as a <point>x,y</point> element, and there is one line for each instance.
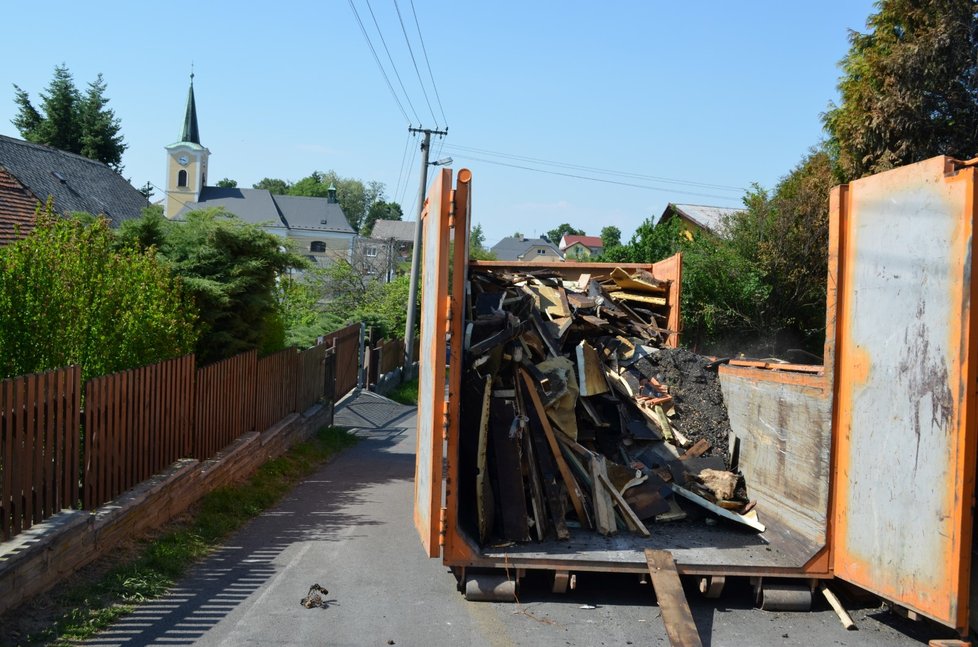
<point>186,163</point>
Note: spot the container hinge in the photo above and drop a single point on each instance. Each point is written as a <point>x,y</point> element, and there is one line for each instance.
<point>451,210</point>
<point>442,523</point>
<point>445,422</point>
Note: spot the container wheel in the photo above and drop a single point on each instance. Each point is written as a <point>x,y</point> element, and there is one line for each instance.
<point>784,597</point>
<point>491,586</point>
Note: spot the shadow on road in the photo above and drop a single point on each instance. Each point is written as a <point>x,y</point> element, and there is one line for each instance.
<point>314,511</point>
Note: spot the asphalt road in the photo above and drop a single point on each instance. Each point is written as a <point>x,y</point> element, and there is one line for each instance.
<point>348,528</point>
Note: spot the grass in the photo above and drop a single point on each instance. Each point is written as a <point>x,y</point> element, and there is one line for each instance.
<point>405,393</point>
<point>83,609</point>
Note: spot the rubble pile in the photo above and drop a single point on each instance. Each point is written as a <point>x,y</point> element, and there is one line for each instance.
<point>576,415</point>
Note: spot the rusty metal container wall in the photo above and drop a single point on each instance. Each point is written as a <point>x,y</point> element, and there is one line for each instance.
<point>905,389</point>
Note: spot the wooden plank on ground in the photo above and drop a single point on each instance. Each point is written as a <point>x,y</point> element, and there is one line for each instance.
<point>676,615</point>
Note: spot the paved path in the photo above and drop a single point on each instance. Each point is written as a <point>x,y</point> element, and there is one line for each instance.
<point>348,527</point>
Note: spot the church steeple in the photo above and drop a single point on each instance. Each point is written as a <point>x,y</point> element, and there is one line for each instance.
<point>190,131</point>
<point>186,163</point>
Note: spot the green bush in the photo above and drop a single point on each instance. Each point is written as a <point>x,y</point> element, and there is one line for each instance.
<point>69,294</point>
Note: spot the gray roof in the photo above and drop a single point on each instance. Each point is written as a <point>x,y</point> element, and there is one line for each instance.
<point>709,218</point>
<point>511,249</point>
<point>260,207</point>
<point>318,214</point>
<point>75,183</point>
<point>402,230</point>
<point>251,205</point>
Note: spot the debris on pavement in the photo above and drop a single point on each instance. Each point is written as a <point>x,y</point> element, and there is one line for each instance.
<point>581,417</point>
<point>315,597</point>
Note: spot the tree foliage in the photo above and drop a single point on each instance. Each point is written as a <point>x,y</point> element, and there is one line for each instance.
<point>70,121</point>
<point>477,245</point>
<point>274,186</point>
<point>380,210</point>
<point>909,88</point>
<point>227,183</point>
<point>230,268</point>
<point>70,294</point>
<point>610,236</point>
<point>555,234</point>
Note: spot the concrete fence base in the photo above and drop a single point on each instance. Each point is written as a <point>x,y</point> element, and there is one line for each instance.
<point>40,558</point>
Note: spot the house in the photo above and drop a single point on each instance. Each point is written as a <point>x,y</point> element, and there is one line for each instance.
<point>533,250</point>
<point>580,247</point>
<point>399,234</point>
<point>695,217</point>
<point>317,226</point>
<point>32,173</point>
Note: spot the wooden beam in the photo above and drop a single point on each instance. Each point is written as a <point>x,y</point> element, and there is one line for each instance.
<point>673,607</point>
<point>572,488</point>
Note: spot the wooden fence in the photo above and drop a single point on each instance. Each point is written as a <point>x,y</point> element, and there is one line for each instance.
<point>347,344</point>
<point>39,447</point>
<point>137,422</point>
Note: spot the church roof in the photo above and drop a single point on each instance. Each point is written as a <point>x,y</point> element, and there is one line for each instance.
<point>260,207</point>
<point>312,213</point>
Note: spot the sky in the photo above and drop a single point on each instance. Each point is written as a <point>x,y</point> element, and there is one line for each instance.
<point>593,114</point>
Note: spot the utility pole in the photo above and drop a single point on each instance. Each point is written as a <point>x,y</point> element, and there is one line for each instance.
<point>416,252</point>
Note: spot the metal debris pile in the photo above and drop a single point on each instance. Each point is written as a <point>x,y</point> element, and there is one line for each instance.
<point>576,415</point>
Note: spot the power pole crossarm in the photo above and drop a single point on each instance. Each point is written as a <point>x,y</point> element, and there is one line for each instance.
<point>416,252</point>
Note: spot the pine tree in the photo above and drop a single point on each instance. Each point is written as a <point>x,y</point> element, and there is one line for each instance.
<point>909,88</point>
<point>71,122</point>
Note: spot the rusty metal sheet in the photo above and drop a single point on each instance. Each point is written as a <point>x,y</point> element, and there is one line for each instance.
<point>905,429</point>
<point>432,361</point>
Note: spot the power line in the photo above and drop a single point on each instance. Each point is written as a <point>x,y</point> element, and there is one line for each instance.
<point>603,171</point>
<point>377,59</point>
<point>430,75</point>
<point>391,59</point>
<point>400,175</point>
<point>597,179</point>
<point>415,62</point>
<point>407,179</point>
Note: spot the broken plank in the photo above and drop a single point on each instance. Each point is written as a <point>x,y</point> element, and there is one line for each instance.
<point>630,517</point>
<point>590,375</point>
<point>621,295</point>
<point>669,594</point>
<point>699,448</point>
<point>536,489</point>
<point>604,512</point>
<point>485,504</point>
<point>572,489</point>
<point>506,469</point>
<point>749,519</point>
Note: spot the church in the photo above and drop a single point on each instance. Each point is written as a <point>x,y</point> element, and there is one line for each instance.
<point>318,226</point>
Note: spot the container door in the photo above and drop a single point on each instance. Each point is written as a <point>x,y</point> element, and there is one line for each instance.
<point>905,428</point>
<point>431,358</point>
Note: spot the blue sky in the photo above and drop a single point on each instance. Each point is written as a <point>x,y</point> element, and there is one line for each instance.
<point>699,93</point>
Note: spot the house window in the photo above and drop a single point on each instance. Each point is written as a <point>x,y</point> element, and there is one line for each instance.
<point>182,178</point>
<point>372,250</point>
<point>317,246</point>
<point>541,251</point>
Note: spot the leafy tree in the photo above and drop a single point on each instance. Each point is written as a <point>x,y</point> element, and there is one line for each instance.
<point>69,294</point>
<point>147,190</point>
<point>274,186</point>
<point>381,210</point>
<point>518,234</point>
<point>72,122</point>
<point>231,269</point>
<point>909,88</point>
<point>477,245</point>
<point>554,235</point>
<point>227,183</point>
<point>610,236</point>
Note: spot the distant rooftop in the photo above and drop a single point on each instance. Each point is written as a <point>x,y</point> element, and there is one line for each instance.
<point>513,249</point>
<point>400,230</point>
<point>704,216</point>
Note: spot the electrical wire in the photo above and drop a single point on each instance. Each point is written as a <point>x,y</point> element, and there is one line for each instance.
<point>602,171</point>
<point>430,75</point>
<point>400,175</point>
<point>415,62</point>
<point>597,179</point>
<point>410,175</point>
<point>379,65</point>
<point>391,59</point>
